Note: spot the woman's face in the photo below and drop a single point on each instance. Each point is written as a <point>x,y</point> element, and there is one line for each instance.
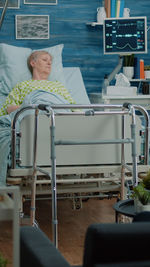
<point>42,64</point>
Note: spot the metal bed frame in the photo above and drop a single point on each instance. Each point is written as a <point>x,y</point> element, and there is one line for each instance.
<point>91,110</point>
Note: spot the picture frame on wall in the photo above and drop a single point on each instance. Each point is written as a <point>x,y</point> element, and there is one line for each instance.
<point>32,26</point>
<point>41,2</point>
<point>11,3</point>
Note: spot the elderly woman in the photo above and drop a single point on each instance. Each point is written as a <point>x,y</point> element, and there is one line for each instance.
<point>39,63</point>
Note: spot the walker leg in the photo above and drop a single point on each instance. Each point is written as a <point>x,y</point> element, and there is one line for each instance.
<point>33,196</point>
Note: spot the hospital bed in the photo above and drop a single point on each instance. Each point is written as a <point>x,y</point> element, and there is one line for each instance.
<point>81,169</point>
<point>95,149</point>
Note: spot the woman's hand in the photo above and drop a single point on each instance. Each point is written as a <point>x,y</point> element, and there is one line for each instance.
<point>12,108</point>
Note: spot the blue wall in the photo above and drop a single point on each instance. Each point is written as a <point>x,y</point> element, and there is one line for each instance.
<point>83,43</point>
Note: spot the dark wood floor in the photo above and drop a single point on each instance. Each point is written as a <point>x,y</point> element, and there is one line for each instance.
<point>72,225</point>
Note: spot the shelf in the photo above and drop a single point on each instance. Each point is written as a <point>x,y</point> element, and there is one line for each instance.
<point>139,80</point>
<point>94,23</point>
<point>101,96</point>
<point>125,97</point>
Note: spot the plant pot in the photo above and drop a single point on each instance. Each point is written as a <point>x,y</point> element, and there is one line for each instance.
<point>145,207</point>
<point>139,207</point>
<point>128,72</point>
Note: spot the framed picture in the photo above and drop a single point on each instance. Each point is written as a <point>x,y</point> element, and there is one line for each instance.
<point>41,2</point>
<point>11,3</point>
<point>32,27</point>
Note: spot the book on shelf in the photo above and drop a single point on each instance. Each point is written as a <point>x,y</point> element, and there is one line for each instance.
<point>142,76</point>
<point>118,9</point>
<point>113,8</point>
<point>136,68</point>
<point>139,68</point>
<point>108,8</point>
<point>121,8</point>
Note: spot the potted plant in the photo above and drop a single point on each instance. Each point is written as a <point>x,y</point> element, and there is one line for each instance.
<point>141,194</point>
<point>3,261</point>
<point>128,66</point>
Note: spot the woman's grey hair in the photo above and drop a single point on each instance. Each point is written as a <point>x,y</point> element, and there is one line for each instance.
<point>34,56</point>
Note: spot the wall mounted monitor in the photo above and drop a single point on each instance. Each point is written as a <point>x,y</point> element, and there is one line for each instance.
<point>125,35</point>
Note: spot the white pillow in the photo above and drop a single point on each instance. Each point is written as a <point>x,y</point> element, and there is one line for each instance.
<point>13,65</point>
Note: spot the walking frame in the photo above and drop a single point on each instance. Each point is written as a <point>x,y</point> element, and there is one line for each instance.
<point>85,110</point>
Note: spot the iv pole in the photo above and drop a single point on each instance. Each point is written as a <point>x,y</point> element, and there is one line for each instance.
<point>3,13</point>
<point>111,76</point>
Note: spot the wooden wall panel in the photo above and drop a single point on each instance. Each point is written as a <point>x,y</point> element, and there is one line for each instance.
<point>83,43</point>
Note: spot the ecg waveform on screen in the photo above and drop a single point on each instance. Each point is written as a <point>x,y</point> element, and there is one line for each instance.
<point>125,36</point>
<point>118,24</point>
<point>127,45</point>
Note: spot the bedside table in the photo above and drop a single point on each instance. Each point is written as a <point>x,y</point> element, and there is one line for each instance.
<point>99,98</point>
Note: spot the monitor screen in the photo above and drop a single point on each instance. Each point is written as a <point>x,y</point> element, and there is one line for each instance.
<point>125,35</point>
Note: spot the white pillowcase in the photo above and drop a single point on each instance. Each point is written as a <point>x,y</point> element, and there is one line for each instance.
<point>14,69</point>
